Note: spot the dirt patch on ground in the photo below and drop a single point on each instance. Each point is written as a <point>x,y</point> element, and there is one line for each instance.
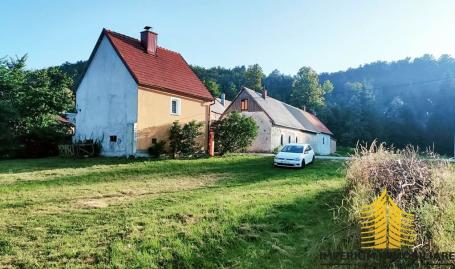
<point>150,189</point>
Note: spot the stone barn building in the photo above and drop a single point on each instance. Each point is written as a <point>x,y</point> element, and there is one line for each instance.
<point>280,123</point>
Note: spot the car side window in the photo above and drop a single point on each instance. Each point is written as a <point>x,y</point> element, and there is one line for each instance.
<point>309,147</point>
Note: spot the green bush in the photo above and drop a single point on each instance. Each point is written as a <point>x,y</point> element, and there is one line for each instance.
<point>157,149</point>
<point>183,139</point>
<point>423,185</point>
<point>30,100</point>
<point>234,133</point>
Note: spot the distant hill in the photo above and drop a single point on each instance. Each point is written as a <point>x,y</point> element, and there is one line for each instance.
<point>410,101</point>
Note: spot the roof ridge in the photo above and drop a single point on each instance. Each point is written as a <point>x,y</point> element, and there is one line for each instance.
<point>122,35</point>
<point>137,40</point>
<point>286,104</point>
<point>304,112</point>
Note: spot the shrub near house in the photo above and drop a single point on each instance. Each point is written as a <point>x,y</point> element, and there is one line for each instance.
<point>234,132</point>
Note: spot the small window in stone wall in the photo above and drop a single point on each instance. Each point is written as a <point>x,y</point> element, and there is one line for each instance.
<point>296,140</point>
<point>323,140</point>
<point>113,138</point>
<point>282,140</point>
<point>289,139</point>
<point>153,140</point>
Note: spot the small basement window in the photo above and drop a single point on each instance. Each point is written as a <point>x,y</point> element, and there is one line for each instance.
<point>175,106</point>
<point>113,138</point>
<point>244,105</point>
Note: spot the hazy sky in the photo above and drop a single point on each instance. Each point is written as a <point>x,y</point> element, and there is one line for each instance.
<point>286,35</point>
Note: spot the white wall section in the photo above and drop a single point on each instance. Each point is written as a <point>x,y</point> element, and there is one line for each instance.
<point>106,103</point>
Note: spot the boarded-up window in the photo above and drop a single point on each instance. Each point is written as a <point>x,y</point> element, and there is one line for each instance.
<point>244,105</point>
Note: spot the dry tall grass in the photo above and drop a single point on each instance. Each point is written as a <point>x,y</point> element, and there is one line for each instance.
<point>420,183</point>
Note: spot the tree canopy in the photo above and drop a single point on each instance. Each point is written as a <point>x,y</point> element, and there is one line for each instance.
<point>307,91</point>
<point>409,101</point>
<point>30,102</point>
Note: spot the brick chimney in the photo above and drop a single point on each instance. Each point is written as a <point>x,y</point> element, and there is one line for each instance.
<point>149,40</point>
<point>264,93</point>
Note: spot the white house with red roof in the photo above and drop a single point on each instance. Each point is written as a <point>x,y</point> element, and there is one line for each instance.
<point>280,124</point>
<point>133,90</point>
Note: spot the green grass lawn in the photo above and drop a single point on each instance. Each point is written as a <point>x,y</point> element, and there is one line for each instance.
<point>235,211</point>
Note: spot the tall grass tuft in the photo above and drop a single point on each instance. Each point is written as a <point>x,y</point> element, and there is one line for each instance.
<point>419,182</point>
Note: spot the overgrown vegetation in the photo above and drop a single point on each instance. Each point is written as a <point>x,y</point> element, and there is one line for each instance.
<point>157,149</point>
<point>235,211</point>
<point>234,133</point>
<point>421,185</point>
<point>183,140</point>
<point>29,104</point>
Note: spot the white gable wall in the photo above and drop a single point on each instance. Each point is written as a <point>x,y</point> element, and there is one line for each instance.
<point>323,144</point>
<point>106,103</point>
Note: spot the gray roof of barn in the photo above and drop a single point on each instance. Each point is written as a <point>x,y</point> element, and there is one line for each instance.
<point>286,115</point>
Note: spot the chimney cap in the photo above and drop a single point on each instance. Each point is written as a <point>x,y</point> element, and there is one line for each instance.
<point>148,28</point>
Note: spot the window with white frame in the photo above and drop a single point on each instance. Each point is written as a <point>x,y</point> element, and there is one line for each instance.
<point>175,106</point>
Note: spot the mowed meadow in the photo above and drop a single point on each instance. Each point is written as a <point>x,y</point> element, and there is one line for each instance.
<point>236,212</point>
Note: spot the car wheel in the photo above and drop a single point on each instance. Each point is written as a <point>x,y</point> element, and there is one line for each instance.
<point>302,165</point>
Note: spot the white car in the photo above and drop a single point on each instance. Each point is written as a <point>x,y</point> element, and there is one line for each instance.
<point>294,155</point>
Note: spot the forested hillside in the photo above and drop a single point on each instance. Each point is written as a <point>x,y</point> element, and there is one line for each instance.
<point>410,101</point>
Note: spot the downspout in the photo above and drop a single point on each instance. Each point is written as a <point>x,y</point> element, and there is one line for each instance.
<point>209,126</point>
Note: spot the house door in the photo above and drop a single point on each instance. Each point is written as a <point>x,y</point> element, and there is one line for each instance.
<point>131,139</point>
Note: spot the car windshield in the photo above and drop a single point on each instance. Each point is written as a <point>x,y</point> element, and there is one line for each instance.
<point>292,149</point>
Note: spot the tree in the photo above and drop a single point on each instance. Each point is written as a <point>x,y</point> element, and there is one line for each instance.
<point>183,139</point>
<point>307,91</point>
<point>213,87</point>
<point>30,101</point>
<point>234,133</point>
<point>278,85</point>
<point>253,77</point>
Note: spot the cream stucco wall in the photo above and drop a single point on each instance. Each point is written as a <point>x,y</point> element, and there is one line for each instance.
<point>155,118</point>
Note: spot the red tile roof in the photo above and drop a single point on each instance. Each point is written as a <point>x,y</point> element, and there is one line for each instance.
<point>166,71</point>
<point>317,123</point>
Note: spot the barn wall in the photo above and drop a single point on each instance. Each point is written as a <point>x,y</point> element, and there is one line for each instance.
<point>323,144</point>
<point>333,145</point>
<point>302,137</point>
<point>235,105</point>
<point>106,102</point>
<point>262,142</point>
